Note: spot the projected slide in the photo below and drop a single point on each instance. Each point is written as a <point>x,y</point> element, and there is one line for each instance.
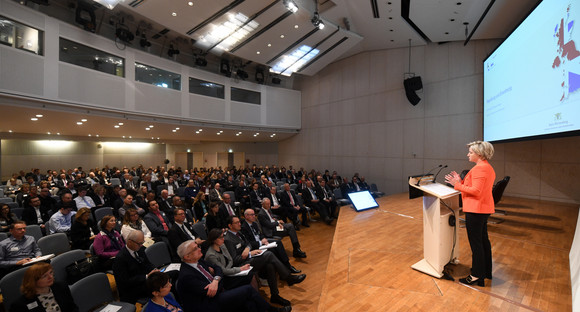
<point>532,81</point>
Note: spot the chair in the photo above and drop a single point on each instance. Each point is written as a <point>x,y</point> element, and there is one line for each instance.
<point>293,186</point>
<point>18,212</point>
<point>375,190</point>
<point>60,262</point>
<point>199,228</point>
<point>158,254</point>
<point>94,291</point>
<point>3,236</point>
<point>101,212</point>
<point>10,287</point>
<point>497,192</point>
<point>233,198</point>
<point>181,192</point>
<point>5,200</point>
<point>115,181</point>
<point>280,183</point>
<point>12,205</point>
<point>34,231</point>
<point>56,243</point>
<point>160,188</point>
<point>338,197</point>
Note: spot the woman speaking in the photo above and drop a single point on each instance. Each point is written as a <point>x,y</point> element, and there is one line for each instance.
<point>478,205</point>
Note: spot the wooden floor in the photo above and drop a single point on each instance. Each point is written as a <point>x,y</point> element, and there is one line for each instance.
<point>363,263</point>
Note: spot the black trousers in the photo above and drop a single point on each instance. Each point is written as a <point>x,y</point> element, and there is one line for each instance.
<point>476,225</point>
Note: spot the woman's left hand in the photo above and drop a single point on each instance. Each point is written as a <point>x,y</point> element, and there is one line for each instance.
<point>452,178</point>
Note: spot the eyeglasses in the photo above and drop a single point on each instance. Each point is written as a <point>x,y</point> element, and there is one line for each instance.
<point>138,243</point>
<point>251,214</point>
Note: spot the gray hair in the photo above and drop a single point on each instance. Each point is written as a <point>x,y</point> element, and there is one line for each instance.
<point>134,235</point>
<point>182,249</point>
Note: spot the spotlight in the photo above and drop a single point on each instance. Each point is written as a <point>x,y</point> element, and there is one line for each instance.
<point>200,61</point>
<point>144,42</point>
<point>259,76</point>
<point>123,33</point>
<point>316,21</point>
<point>242,74</point>
<point>291,6</point>
<point>172,50</point>
<point>225,68</point>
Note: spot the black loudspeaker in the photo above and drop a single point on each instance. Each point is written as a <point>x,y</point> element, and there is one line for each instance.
<point>411,86</point>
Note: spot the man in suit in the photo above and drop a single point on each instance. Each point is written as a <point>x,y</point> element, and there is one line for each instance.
<point>242,194</point>
<point>34,213</point>
<point>255,196</point>
<point>253,232</point>
<point>216,194</point>
<point>273,226</point>
<point>241,251</point>
<point>201,289</point>
<point>313,201</point>
<point>326,197</point>
<point>275,204</point>
<point>226,208</point>
<point>157,222</point>
<point>165,204</point>
<point>181,231</point>
<point>290,204</point>
<point>131,268</point>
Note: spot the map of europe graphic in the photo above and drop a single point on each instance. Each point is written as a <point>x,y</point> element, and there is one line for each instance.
<point>567,52</point>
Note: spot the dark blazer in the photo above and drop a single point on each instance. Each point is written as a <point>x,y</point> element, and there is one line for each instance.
<point>254,201</point>
<point>224,214</point>
<point>268,227</point>
<point>29,215</point>
<point>191,288</point>
<point>80,234</point>
<point>212,222</point>
<point>62,296</point>
<point>249,235</point>
<point>285,199</point>
<point>131,275</point>
<point>236,246</point>
<point>167,207</point>
<point>176,236</point>
<point>155,225</point>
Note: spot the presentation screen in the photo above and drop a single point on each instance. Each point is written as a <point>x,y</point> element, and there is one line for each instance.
<point>362,200</point>
<point>531,82</point>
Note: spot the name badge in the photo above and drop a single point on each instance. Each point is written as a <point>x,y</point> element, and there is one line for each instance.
<point>14,249</point>
<point>238,245</point>
<point>32,305</point>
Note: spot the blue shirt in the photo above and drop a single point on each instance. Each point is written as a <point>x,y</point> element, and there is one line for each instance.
<point>12,250</point>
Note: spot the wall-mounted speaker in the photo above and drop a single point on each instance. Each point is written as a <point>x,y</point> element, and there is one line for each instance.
<point>412,85</point>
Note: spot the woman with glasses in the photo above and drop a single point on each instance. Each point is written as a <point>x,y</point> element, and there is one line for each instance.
<point>132,221</point>
<point>161,300</point>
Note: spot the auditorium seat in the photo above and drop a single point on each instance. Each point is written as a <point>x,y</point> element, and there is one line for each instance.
<point>95,291</point>
<point>56,244</point>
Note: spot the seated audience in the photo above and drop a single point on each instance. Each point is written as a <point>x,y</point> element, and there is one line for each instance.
<point>201,289</point>
<point>131,268</point>
<point>61,221</point>
<point>66,201</point>
<point>83,230</point>
<point>131,222</point>
<point>218,254</point>
<point>7,218</point>
<point>157,222</point>
<point>18,249</point>
<point>181,231</point>
<point>272,226</point>
<point>35,213</point>
<point>292,207</point>
<point>41,293</point>
<point>199,207</point>
<point>83,200</point>
<point>108,242</point>
<point>214,219</point>
<point>159,287</point>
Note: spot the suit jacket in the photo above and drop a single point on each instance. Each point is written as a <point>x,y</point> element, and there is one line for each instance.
<point>176,235</point>
<point>191,288</point>
<point>268,227</point>
<point>254,200</point>
<point>476,189</point>
<point>213,195</point>
<point>29,215</point>
<point>249,234</point>
<point>285,199</point>
<point>224,211</point>
<point>131,275</point>
<point>155,225</point>
<point>236,245</point>
<point>167,207</point>
<point>62,296</point>
<point>219,259</point>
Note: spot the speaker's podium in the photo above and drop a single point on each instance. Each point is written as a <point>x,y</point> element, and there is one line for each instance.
<point>440,237</point>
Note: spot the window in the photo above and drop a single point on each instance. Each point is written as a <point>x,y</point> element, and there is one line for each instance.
<point>246,96</point>
<point>158,77</point>
<point>75,53</point>
<point>21,36</point>
<point>206,88</point>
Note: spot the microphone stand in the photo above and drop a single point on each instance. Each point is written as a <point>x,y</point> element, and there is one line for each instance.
<point>435,179</point>
<point>421,178</point>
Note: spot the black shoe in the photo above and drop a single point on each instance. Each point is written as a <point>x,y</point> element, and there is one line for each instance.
<point>294,270</point>
<point>281,309</point>
<point>279,300</point>
<point>328,220</point>
<point>470,281</point>
<point>295,279</point>
<point>296,227</point>
<point>299,253</point>
<point>305,224</point>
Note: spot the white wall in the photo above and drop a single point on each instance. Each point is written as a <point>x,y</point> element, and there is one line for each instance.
<point>356,118</point>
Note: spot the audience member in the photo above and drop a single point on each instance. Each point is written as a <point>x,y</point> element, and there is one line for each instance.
<point>82,200</point>
<point>214,219</point>
<point>272,226</point>
<point>61,221</point>
<point>199,206</point>
<point>18,249</point>
<point>41,293</point>
<point>83,230</point>
<point>131,222</point>
<point>159,287</point>
<point>35,213</point>
<point>157,222</point>
<point>108,242</point>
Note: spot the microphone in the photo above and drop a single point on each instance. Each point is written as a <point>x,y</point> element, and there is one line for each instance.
<point>421,178</point>
<point>435,179</point>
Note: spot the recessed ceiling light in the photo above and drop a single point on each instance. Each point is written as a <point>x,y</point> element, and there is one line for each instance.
<point>58,133</point>
<point>177,128</point>
<point>200,130</point>
<point>151,126</point>
<point>120,124</point>
<point>130,137</point>
<point>9,131</point>
<point>147,129</point>
<point>79,123</point>
<point>123,137</point>
<point>157,138</point>
<point>152,138</point>
<point>296,26</point>
<point>269,44</point>
<point>221,131</point>
<point>97,135</point>
<point>117,126</point>
<point>258,52</point>
<point>190,3</point>
<point>48,133</point>
<point>34,119</point>
<point>237,134</point>
<point>174,130</point>
<point>173,14</point>
<point>282,36</point>
<point>197,132</point>
<point>89,134</point>
<point>83,120</point>
<point>39,116</point>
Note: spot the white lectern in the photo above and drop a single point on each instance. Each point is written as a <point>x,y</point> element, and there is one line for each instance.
<point>439,237</point>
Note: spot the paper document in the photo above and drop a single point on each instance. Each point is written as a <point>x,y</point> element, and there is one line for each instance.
<point>439,189</point>
<point>270,245</point>
<point>39,259</point>
<point>172,267</point>
<point>110,308</point>
<point>243,273</point>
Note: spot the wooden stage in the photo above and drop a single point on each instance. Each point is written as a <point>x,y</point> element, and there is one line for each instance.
<point>363,263</point>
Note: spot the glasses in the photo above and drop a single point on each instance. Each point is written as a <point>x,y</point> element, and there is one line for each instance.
<point>251,214</point>
<point>138,243</point>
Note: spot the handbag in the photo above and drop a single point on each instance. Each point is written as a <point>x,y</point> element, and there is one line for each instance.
<point>81,269</point>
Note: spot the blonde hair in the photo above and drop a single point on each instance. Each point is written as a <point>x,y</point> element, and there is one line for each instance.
<point>482,148</point>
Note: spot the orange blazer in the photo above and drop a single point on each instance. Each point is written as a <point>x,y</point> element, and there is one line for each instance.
<point>476,189</point>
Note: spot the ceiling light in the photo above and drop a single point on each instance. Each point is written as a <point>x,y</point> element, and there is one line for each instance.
<point>174,130</point>
<point>294,61</point>
<point>48,133</point>
<point>237,134</point>
<point>190,3</point>
<point>147,129</point>
<point>34,119</point>
<point>196,132</point>
<point>97,135</point>
<point>173,14</point>
<point>282,36</point>
<point>269,45</point>
<point>58,133</point>
<point>226,35</point>
<point>9,131</point>
<point>123,137</point>
<point>83,120</point>
<point>296,26</point>
<point>157,138</point>
<point>221,131</point>
<point>130,137</point>
<point>89,134</point>
<point>151,126</point>
<point>109,4</point>
<point>120,124</point>
<point>117,126</point>
<point>258,52</point>
<point>200,130</point>
<point>317,21</point>
<point>291,6</point>
<point>79,123</point>
<point>39,116</point>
